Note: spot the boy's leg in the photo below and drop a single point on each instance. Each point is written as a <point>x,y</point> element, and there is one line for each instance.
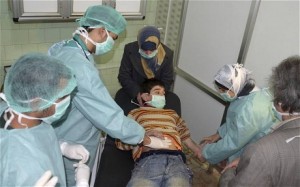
<point>178,174</point>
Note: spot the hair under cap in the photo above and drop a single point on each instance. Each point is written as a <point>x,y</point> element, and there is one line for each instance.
<point>36,81</point>
<point>103,16</point>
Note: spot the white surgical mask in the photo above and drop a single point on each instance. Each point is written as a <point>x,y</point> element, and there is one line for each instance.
<point>279,115</point>
<point>104,47</point>
<point>148,56</point>
<point>227,97</point>
<point>101,48</point>
<point>60,109</point>
<point>157,101</point>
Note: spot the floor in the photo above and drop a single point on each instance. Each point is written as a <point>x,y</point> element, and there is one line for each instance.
<point>205,175</point>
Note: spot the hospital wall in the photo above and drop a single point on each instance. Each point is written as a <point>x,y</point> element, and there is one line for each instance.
<point>17,39</point>
<point>275,37</point>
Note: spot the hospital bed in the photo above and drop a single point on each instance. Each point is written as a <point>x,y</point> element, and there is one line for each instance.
<point>113,160</point>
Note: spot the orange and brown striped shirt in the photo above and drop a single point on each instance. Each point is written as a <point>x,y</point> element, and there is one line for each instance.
<point>164,120</point>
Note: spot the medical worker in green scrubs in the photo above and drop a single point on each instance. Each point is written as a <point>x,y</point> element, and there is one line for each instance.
<point>37,92</point>
<point>248,118</point>
<point>92,108</point>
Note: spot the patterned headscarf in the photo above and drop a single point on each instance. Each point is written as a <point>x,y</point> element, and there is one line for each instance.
<point>149,39</point>
<point>233,77</point>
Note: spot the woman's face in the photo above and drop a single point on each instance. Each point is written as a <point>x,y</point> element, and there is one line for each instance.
<point>148,52</point>
<point>223,90</point>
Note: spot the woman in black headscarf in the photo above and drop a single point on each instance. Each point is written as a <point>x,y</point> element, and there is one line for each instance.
<point>144,59</point>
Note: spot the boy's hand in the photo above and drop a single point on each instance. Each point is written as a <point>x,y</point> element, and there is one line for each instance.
<point>155,133</point>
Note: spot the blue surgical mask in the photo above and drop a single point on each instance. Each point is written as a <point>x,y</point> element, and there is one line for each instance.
<point>227,97</point>
<point>157,101</point>
<point>104,47</point>
<point>279,115</point>
<point>148,56</point>
<point>60,109</point>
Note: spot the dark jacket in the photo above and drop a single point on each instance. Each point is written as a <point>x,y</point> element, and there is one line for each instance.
<point>271,161</point>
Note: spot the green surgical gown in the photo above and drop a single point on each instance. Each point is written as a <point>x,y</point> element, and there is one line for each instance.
<point>92,108</point>
<point>26,154</point>
<point>248,119</point>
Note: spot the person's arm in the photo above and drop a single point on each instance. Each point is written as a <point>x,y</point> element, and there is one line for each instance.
<point>232,164</point>
<point>228,173</point>
<point>122,146</point>
<point>125,73</point>
<point>239,131</point>
<point>185,135</point>
<point>95,103</point>
<point>211,139</point>
<point>193,146</point>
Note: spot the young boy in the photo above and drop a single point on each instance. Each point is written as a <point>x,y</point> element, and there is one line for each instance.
<point>160,167</point>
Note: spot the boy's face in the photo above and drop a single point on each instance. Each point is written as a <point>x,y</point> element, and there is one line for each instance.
<point>157,90</point>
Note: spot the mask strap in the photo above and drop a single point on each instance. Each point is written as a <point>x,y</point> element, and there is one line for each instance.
<point>12,116</point>
<point>20,116</point>
<point>87,38</point>
<point>8,120</point>
<point>81,31</point>
<point>20,122</point>
<point>286,113</point>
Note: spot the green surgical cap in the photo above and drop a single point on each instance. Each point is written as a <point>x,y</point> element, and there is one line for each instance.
<point>36,81</point>
<point>103,16</point>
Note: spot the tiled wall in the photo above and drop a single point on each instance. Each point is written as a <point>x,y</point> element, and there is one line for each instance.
<point>169,17</point>
<point>18,39</point>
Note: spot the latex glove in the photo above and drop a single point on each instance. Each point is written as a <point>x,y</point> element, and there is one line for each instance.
<point>82,175</point>
<point>46,180</point>
<point>157,143</point>
<point>74,151</point>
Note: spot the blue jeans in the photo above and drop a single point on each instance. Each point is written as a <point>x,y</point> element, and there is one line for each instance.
<point>161,170</point>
